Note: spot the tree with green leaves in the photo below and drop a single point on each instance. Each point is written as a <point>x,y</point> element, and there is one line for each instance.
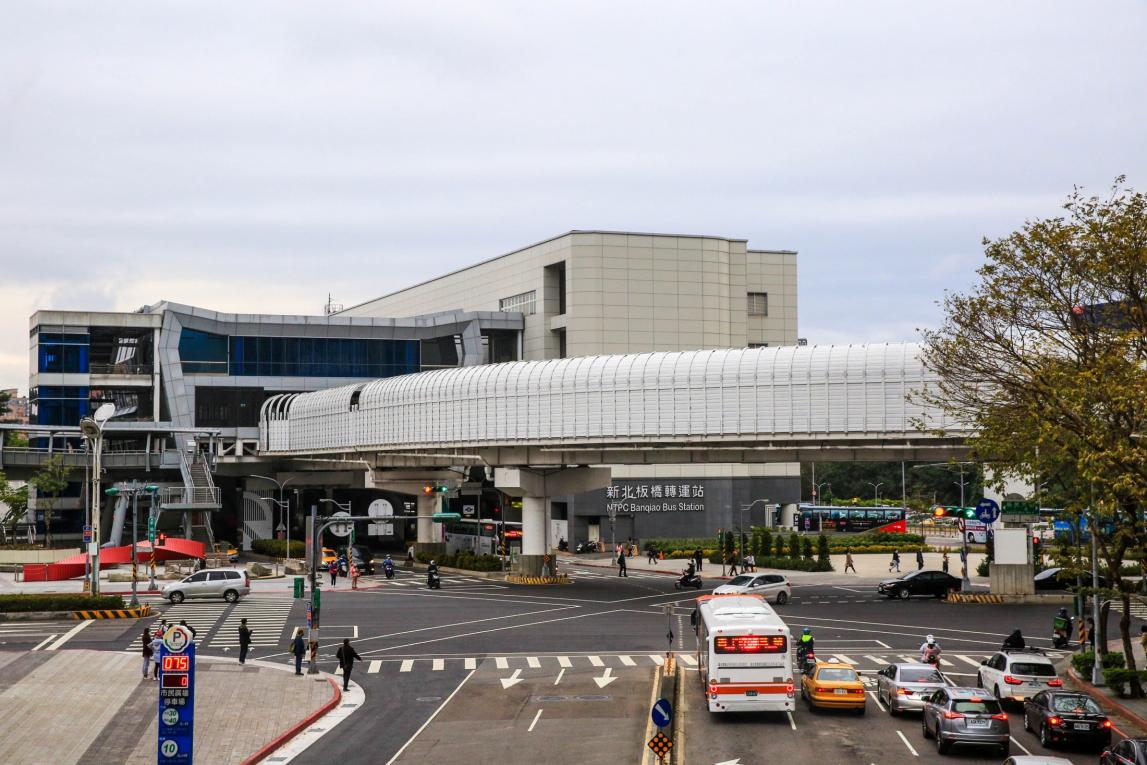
<point>1046,357</point>
<point>15,499</point>
<point>49,482</point>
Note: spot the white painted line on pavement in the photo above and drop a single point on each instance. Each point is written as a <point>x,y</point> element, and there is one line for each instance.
<point>558,679</point>
<point>406,666</point>
<point>535,722</point>
<point>596,661</point>
<point>792,722</point>
<point>430,719</point>
<point>471,663</point>
<point>901,735</point>
<point>438,665</point>
<point>375,666</point>
<point>687,659</point>
<point>532,662</point>
<point>876,659</point>
<point>626,661</point>
<point>564,661</point>
<point>877,700</point>
<point>69,634</point>
<point>49,639</point>
<point>966,660</point>
<point>844,659</point>
<point>657,659</point>
<point>501,663</point>
<point>882,644</point>
<point>1021,746</point>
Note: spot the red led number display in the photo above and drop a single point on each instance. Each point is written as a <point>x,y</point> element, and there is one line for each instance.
<point>751,644</point>
<point>174,681</point>
<point>176,663</point>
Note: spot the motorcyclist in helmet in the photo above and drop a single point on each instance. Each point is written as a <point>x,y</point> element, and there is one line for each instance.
<point>431,573</point>
<point>930,651</point>
<point>1060,628</point>
<point>690,570</point>
<point>1015,640</point>
<point>805,647</point>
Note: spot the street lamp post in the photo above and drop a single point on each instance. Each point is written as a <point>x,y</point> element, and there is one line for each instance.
<point>817,495</point>
<point>284,506</point>
<point>875,490</point>
<point>93,429</point>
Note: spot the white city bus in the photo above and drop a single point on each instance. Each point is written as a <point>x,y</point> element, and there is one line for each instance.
<point>743,654</point>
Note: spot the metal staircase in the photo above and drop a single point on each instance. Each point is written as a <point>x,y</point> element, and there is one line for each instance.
<point>198,496</point>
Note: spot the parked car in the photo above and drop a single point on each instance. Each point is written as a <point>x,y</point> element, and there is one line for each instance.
<point>1065,717</point>
<point>965,716</point>
<point>936,584</point>
<point>227,583</point>
<point>773,587</point>
<point>1049,579</point>
<point>905,686</point>
<point>1018,674</point>
<point>828,685</point>
<point>1129,751</point>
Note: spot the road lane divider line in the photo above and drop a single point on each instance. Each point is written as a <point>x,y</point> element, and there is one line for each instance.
<point>535,722</point>
<point>561,672</point>
<point>430,719</point>
<point>406,666</point>
<point>1021,746</point>
<point>877,700</point>
<point>901,735</point>
<point>49,639</point>
<point>69,635</point>
<point>792,721</point>
<point>374,667</point>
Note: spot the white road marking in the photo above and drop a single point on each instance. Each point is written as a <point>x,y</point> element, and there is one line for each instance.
<point>471,663</point>
<point>48,639</point>
<point>512,680</point>
<point>1021,746</point>
<point>406,666</point>
<point>535,722</point>
<point>596,661</point>
<point>657,659</point>
<point>438,665</point>
<point>375,666</point>
<point>69,635</point>
<point>501,663</point>
<point>605,679</point>
<point>910,749</point>
<point>532,662</point>
<point>882,644</point>
<point>429,720</point>
<point>877,700</point>
<point>687,659</point>
<point>966,660</point>
<point>561,672</point>
<point>792,722</point>
<point>627,661</point>
<point>876,660</point>
<point>844,659</point>
<point>564,662</point>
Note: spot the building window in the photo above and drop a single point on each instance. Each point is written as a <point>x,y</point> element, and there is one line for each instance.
<point>59,405</point>
<point>202,352</point>
<point>523,303</point>
<point>63,352</point>
<point>758,304</point>
<point>228,407</point>
<point>499,346</point>
<point>441,352</point>
<point>322,357</point>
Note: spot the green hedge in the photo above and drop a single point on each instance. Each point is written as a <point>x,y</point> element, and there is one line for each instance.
<point>1084,661</point>
<point>789,564</point>
<point>59,602</point>
<point>903,542</point>
<point>277,548</point>
<point>465,560</point>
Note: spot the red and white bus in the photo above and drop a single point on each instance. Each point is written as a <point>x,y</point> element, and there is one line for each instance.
<point>743,655</point>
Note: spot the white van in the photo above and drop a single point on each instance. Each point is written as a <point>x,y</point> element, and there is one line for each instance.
<point>227,583</point>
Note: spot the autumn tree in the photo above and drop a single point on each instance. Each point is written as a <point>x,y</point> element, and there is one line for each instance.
<point>1046,357</point>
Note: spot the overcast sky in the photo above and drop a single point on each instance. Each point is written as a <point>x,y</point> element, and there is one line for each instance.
<point>255,156</point>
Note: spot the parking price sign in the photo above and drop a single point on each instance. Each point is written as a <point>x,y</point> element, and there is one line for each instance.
<point>176,698</point>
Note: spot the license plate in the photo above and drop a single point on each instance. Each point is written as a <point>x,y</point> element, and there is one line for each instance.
<point>979,723</point>
<point>1082,726</point>
<point>840,691</point>
<point>750,693</point>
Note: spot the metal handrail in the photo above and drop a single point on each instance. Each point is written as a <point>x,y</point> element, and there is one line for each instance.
<point>129,368</point>
<point>186,495</point>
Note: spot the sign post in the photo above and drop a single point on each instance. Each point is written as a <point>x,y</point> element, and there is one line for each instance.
<point>176,739</point>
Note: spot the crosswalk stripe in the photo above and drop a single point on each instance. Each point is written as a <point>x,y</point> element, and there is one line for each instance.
<point>501,663</point>
<point>844,659</point>
<point>657,659</point>
<point>946,663</point>
<point>596,661</point>
<point>910,659</point>
<point>966,660</point>
<point>406,666</point>
<point>687,659</point>
<point>533,663</point>
<point>471,664</point>
<point>375,666</point>
<point>876,660</point>
<point>438,665</point>
<point>564,661</point>
<point>627,661</point>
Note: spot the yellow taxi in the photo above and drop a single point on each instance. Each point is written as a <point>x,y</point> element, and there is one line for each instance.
<point>830,685</point>
<point>329,556</point>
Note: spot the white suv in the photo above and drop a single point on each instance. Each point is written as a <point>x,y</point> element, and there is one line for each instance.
<point>1018,674</point>
<point>227,583</point>
<point>772,587</point>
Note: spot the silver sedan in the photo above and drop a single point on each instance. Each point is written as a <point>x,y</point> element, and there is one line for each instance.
<point>905,686</point>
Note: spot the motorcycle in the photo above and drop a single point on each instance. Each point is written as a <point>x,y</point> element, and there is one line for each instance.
<point>931,658</point>
<point>806,658</point>
<point>433,581</point>
<point>344,568</point>
<point>687,580</point>
<point>563,545</point>
<point>586,547</point>
<point>388,569</point>
<point>1059,639</point>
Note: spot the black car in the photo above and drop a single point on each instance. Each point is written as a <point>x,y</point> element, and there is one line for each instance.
<point>1048,579</point>
<point>1129,751</point>
<point>1065,717</point>
<point>362,558</point>
<point>937,584</point>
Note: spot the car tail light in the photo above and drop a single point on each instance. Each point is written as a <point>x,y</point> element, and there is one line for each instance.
<point>902,691</point>
<point>789,689</point>
<point>1055,683</point>
<point>1000,716</point>
<point>856,690</point>
<point>1105,724</point>
<point>1055,720</point>
<point>1012,680</point>
<point>950,715</point>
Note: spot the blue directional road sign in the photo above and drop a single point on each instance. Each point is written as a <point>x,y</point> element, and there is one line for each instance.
<point>176,698</point>
<point>662,713</point>
<point>87,534</point>
<point>987,510</point>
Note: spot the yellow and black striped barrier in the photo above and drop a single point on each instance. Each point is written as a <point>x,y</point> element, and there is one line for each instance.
<point>519,579</point>
<point>974,597</point>
<point>117,613</point>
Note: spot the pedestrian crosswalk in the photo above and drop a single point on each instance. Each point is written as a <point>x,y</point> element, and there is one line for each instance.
<point>576,573</point>
<point>266,618</point>
<point>200,615</point>
<point>1138,608</point>
<point>447,582</point>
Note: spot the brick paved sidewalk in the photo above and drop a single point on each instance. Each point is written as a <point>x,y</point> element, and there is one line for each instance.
<point>102,711</point>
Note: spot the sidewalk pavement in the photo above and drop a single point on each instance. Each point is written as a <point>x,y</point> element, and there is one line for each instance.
<point>110,713</point>
<point>9,585</point>
<point>1132,711</point>
<point>869,567</point>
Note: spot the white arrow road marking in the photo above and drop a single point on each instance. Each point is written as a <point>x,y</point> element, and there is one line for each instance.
<point>512,680</point>
<point>605,679</point>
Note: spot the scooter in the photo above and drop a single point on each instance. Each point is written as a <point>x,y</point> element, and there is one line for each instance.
<point>433,581</point>
<point>1059,639</point>
<point>586,547</point>
<point>388,569</point>
<point>563,545</point>
<point>687,580</point>
<point>806,658</point>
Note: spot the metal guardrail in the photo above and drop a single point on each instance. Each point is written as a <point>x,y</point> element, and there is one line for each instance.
<point>121,369</point>
<point>205,496</point>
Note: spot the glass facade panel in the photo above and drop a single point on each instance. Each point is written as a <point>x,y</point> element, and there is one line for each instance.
<point>322,357</point>
<point>63,352</point>
<point>59,405</point>
<point>202,352</point>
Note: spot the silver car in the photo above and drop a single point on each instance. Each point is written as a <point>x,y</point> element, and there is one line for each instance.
<point>966,716</point>
<point>774,587</point>
<point>905,686</point>
<point>227,583</point>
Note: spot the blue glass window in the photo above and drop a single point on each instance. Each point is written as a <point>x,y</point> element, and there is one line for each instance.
<point>59,405</point>
<point>201,352</point>
<point>322,357</point>
<point>63,352</point>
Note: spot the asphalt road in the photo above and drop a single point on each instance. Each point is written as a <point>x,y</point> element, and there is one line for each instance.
<point>439,667</point>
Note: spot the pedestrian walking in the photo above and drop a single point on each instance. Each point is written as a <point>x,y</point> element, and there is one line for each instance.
<point>183,623</point>
<point>751,563</point>
<point>848,564</point>
<point>919,560</point>
<point>333,569</point>
<point>298,648</point>
<point>698,558</point>
<point>147,652</point>
<point>651,552</point>
<point>621,564</point>
<point>156,644</point>
<point>733,564</point>
<point>161,628</point>
<point>894,564</point>
<point>410,557</point>
<point>944,562</point>
<point>244,640</point>
<point>346,656</point>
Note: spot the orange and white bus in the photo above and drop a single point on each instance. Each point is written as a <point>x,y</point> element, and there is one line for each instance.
<point>743,655</point>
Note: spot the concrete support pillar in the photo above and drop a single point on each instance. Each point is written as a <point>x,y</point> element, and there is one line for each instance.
<point>428,505</point>
<point>788,515</point>
<point>534,544</point>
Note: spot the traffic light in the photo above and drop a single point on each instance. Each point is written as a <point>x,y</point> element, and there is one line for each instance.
<point>969,512</point>
<point>435,489</point>
<point>162,539</point>
<point>939,512</point>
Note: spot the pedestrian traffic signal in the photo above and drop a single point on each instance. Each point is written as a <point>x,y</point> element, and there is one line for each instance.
<point>162,539</point>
